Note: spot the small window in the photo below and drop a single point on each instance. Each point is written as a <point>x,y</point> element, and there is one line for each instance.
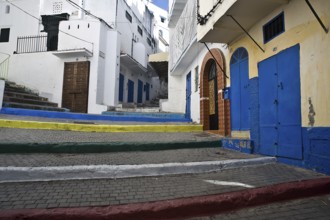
<point>149,41</point>
<point>140,31</point>
<point>274,28</point>
<point>7,9</point>
<point>128,16</point>
<point>162,19</point>
<point>160,33</point>
<point>4,34</point>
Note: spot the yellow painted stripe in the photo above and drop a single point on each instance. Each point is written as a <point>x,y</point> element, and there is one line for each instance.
<point>97,128</point>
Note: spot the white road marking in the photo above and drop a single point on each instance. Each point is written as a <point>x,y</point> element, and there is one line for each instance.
<point>226,183</point>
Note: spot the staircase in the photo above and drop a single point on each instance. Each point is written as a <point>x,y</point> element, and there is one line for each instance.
<point>17,96</point>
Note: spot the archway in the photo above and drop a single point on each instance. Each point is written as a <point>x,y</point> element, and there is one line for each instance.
<point>214,110</point>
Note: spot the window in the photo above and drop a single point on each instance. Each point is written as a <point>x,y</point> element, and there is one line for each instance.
<point>4,34</point>
<point>7,9</point>
<point>149,41</point>
<point>274,28</point>
<point>196,78</point>
<point>128,16</point>
<point>162,19</point>
<point>160,33</point>
<point>140,31</point>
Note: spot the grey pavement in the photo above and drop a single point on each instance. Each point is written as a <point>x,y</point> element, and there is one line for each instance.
<point>315,208</point>
<point>13,135</point>
<point>122,158</point>
<point>103,192</point>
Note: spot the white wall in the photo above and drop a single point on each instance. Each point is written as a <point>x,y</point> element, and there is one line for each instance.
<point>20,23</point>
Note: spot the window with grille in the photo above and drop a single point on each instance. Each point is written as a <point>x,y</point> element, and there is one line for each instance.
<point>4,34</point>
<point>128,16</point>
<point>274,28</point>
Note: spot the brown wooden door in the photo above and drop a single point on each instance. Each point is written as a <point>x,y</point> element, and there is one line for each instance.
<point>75,86</point>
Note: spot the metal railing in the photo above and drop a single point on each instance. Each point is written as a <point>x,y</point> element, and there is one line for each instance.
<point>4,67</point>
<point>31,44</point>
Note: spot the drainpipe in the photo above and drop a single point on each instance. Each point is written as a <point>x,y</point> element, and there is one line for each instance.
<point>81,12</point>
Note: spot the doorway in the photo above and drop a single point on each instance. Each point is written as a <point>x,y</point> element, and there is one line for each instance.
<point>75,86</point>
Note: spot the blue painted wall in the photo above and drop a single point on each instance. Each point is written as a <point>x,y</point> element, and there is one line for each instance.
<point>315,140</point>
<point>254,112</point>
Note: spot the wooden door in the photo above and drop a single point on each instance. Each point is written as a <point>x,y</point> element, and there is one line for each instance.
<point>75,86</point>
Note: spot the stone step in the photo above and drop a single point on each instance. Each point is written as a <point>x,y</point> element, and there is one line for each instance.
<point>31,106</point>
<point>24,96</point>
<point>29,101</point>
<point>12,87</point>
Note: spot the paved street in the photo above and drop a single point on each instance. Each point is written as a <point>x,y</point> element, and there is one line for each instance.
<point>121,158</point>
<point>82,193</point>
<point>12,135</point>
<point>110,191</point>
<point>316,208</point>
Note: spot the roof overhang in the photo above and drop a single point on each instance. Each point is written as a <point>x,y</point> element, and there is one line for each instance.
<point>134,66</point>
<point>159,62</point>
<point>221,28</point>
<point>175,12</point>
<point>186,58</point>
<point>83,52</point>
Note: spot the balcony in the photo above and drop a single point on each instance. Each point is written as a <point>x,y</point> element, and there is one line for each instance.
<point>41,43</point>
<point>219,27</point>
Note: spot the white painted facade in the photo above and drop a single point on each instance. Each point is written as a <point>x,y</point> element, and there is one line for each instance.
<point>102,38</point>
<point>186,56</point>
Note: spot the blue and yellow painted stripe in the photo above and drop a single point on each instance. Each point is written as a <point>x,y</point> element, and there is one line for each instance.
<point>4,123</point>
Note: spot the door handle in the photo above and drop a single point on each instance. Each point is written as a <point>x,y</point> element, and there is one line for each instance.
<point>280,85</point>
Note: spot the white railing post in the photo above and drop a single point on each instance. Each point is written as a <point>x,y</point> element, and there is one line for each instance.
<point>2,90</point>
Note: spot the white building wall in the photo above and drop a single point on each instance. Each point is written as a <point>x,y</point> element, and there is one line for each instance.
<point>44,71</point>
<point>22,25</point>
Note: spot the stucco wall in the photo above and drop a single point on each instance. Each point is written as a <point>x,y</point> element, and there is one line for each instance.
<point>314,53</point>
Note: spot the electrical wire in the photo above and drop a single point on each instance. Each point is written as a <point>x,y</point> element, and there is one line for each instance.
<point>88,13</point>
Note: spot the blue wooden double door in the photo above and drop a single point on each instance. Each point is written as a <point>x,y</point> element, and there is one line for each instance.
<point>280,109</point>
<point>239,95</point>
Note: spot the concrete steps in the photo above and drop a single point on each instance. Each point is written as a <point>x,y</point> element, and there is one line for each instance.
<point>18,96</point>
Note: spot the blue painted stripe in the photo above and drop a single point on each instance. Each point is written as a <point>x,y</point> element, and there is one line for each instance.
<point>80,116</point>
<point>145,114</point>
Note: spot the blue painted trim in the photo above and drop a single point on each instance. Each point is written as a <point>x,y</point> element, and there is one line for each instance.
<point>316,150</point>
<point>80,116</point>
<point>241,145</point>
<point>143,114</point>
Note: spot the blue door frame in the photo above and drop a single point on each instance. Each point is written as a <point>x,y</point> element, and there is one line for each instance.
<point>280,105</point>
<point>140,91</point>
<point>239,96</point>
<point>121,87</point>
<point>188,96</point>
<point>130,95</point>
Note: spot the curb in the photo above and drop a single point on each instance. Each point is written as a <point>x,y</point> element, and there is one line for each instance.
<point>101,147</point>
<point>84,116</point>
<point>97,128</point>
<point>58,173</point>
<point>183,208</point>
